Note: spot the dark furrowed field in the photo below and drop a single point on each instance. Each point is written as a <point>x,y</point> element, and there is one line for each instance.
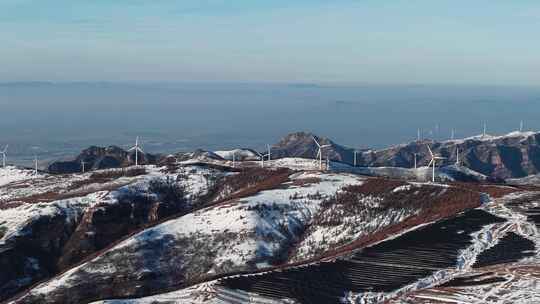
<point>511,248</point>
<point>533,215</point>
<point>381,268</point>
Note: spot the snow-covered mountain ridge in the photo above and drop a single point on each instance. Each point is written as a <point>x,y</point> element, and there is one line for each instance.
<point>137,231</point>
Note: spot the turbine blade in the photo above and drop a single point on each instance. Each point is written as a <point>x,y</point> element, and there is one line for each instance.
<point>430,152</point>
<point>315,140</point>
<point>131,149</point>
<point>431,162</point>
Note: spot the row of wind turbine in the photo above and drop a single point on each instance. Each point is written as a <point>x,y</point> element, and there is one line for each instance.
<point>453,131</point>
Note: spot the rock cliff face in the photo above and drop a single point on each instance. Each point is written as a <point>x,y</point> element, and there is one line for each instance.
<point>96,158</point>
<point>31,254</point>
<point>510,156</point>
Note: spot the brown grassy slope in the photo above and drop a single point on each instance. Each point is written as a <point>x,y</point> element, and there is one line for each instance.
<point>431,202</point>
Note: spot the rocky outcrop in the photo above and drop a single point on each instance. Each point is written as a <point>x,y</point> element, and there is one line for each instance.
<point>103,224</point>
<point>96,158</point>
<point>32,254</point>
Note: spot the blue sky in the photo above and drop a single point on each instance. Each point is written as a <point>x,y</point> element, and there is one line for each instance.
<point>379,42</point>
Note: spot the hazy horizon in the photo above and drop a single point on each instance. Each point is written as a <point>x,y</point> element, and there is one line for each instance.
<point>63,118</point>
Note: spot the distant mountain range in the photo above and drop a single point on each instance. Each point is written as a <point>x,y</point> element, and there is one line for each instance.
<point>513,155</point>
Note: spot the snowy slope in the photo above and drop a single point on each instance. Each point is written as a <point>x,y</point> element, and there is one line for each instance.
<point>489,138</point>
<point>13,221</point>
<point>245,234</point>
<point>11,174</point>
<point>446,173</point>
<point>92,214</point>
<point>239,154</point>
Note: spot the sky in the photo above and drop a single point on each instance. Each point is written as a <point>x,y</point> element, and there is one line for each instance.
<point>488,42</point>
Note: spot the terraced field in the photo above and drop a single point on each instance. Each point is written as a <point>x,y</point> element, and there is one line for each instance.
<point>511,248</point>
<point>474,280</point>
<point>533,215</point>
<point>381,268</point>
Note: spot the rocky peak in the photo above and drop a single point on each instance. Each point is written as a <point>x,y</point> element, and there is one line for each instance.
<point>301,144</point>
<point>96,158</point>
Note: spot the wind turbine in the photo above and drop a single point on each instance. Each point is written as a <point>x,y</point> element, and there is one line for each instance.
<point>269,152</point>
<point>319,153</point>
<point>355,153</point>
<point>35,164</point>
<point>327,163</point>
<point>453,136</point>
<point>418,134</point>
<point>234,158</point>
<point>457,156</point>
<point>434,158</point>
<point>4,156</point>
<point>415,166</point>
<point>137,149</point>
<point>485,129</point>
<point>262,156</point>
<point>521,126</point>
<point>82,165</point>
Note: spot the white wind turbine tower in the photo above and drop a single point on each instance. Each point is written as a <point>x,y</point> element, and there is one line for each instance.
<point>269,154</point>
<point>485,130</point>
<point>457,156</point>
<point>234,158</point>
<point>355,153</point>
<point>4,156</point>
<point>521,126</point>
<point>137,149</point>
<point>82,165</point>
<point>327,164</point>
<point>453,136</point>
<point>35,164</point>
<point>434,158</point>
<point>418,134</point>
<point>415,165</point>
<point>319,153</point>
